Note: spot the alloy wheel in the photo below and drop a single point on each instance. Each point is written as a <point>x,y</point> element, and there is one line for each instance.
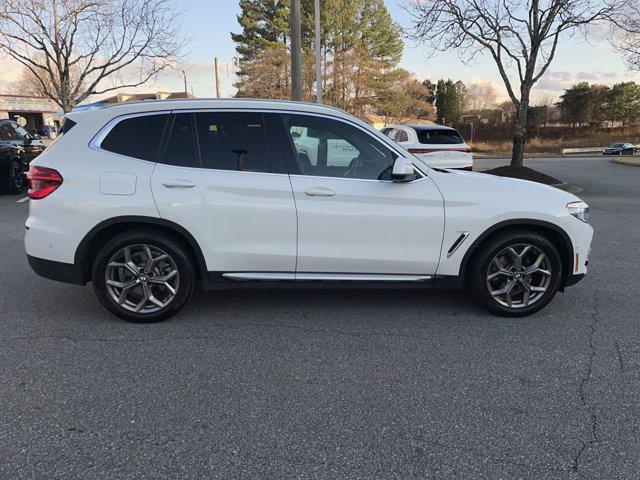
<point>142,278</point>
<point>519,275</point>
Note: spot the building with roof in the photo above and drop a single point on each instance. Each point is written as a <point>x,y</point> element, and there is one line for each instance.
<point>28,110</point>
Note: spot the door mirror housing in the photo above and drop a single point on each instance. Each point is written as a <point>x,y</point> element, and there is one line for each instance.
<point>403,170</point>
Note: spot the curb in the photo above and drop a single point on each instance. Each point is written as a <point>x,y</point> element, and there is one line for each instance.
<point>632,162</point>
<point>567,187</point>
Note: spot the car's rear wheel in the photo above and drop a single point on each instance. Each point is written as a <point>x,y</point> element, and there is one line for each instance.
<point>12,179</point>
<point>516,274</point>
<point>143,277</point>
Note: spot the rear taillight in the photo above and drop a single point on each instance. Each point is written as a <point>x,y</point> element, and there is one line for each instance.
<point>432,150</point>
<point>42,181</point>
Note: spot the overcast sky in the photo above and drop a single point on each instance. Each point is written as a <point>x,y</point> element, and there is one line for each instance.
<point>209,23</point>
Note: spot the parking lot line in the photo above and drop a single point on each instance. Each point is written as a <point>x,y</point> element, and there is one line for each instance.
<point>22,200</point>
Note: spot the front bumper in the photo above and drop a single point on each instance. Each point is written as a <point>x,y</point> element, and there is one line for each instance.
<point>573,279</point>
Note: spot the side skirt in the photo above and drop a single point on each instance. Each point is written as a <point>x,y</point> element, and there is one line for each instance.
<point>281,280</point>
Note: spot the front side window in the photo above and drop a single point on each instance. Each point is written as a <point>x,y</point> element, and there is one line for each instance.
<point>137,137</point>
<point>237,141</point>
<point>331,148</point>
<point>439,136</point>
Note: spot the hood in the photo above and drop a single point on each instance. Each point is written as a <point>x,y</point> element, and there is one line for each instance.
<point>523,196</point>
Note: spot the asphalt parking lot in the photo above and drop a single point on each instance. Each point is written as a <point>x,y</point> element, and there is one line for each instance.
<point>330,384</point>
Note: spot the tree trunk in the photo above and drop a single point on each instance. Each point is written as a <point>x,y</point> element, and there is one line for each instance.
<point>520,134</point>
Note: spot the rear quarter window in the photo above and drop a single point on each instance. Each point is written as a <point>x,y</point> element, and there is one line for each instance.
<point>438,136</point>
<point>137,137</point>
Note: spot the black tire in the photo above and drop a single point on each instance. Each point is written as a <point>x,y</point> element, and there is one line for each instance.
<point>483,258</point>
<point>159,242</point>
<point>12,180</point>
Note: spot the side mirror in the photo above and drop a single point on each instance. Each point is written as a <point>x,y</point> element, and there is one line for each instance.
<point>35,136</point>
<point>403,170</point>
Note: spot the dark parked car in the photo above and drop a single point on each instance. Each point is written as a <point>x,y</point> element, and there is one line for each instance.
<point>17,149</point>
<point>46,131</point>
<point>620,149</point>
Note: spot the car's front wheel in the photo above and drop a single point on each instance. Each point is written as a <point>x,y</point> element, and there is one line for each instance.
<point>516,274</point>
<point>143,276</point>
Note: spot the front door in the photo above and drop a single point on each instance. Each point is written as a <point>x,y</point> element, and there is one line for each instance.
<point>222,177</point>
<point>351,217</point>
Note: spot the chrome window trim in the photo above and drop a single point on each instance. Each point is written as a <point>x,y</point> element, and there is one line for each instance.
<point>96,141</point>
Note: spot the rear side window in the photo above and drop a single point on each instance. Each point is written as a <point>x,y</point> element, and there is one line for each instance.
<point>67,124</point>
<point>7,132</point>
<point>237,141</point>
<point>137,137</point>
<point>402,136</point>
<point>441,136</point>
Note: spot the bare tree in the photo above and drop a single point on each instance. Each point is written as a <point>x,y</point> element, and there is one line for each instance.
<point>628,41</point>
<point>481,95</point>
<point>520,36</point>
<point>70,47</point>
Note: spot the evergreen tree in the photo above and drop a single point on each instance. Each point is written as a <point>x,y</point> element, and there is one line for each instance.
<point>451,101</point>
<point>574,104</point>
<point>361,46</point>
<point>624,102</point>
<point>265,24</point>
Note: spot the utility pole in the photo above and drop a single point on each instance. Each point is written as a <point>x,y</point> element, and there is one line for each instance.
<point>318,54</point>
<point>217,68</point>
<point>184,76</point>
<point>296,51</point>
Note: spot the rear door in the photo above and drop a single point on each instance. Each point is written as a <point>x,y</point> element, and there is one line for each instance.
<point>222,176</point>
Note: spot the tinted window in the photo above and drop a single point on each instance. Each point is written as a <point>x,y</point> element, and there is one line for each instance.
<point>236,141</point>
<point>21,132</point>
<point>402,136</point>
<point>8,132</point>
<point>438,136</point>
<point>181,147</point>
<point>137,137</point>
<point>331,148</point>
<point>67,125</point>
<point>5,131</point>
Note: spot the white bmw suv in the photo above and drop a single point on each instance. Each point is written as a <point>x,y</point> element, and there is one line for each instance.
<point>147,200</point>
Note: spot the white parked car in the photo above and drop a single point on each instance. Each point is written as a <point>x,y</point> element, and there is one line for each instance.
<point>147,200</point>
<point>436,145</point>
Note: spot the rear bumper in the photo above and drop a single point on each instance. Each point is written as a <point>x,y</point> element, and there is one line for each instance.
<point>59,271</point>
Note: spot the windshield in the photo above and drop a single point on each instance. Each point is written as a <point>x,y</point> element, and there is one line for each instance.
<point>440,136</point>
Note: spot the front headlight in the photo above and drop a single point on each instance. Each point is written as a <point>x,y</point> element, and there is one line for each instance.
<point>580,210</point>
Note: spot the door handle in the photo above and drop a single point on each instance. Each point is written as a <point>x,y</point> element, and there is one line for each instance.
<point>319,192</point>
<point>178,184</point>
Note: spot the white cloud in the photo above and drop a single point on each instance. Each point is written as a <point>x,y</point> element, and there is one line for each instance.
<point>10,70</point>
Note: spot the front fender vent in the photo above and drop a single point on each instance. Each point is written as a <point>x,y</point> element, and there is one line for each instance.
<point>463,236</point>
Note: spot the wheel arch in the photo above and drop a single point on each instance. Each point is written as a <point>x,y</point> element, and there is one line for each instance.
<point>98,235</point>
<point>553,232</point>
